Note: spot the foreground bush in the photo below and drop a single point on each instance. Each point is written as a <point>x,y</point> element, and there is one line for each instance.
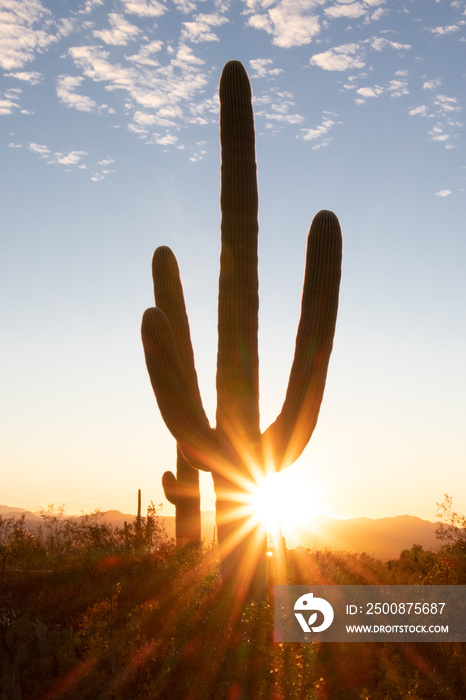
<point>118,614</point>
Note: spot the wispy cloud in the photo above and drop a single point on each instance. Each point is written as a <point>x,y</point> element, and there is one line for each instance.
<point>319,134</point>
<point>66,93</point>
<point>146,54</point>
<point>9,101</point>
<point>441,31</point>
<point>352,56</point>
<point>160,96</point>
<point>75,160</point>
<point>120,33</point>
<point>440,107</point>
<point>289,22</point>
<point>39,149</point>
<point>200,29</point>
<point>375,91</point>
<point>263,68</point>
<point>90,6</point>
<point>26,28</point>
<point>380,43</point>
<point>276,109</point>
<point>421,111</point>
<point>446,133</point>
<point>353,10</point>
<point>31,77</point>
<point>144,8</point>
<point>444,193</point>
<point>340,58</point>
<point>103,168</point>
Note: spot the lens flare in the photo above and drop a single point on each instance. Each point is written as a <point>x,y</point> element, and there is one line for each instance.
<point>284,501</point>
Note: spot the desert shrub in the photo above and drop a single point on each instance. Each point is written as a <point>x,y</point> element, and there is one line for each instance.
<point>127,615</point>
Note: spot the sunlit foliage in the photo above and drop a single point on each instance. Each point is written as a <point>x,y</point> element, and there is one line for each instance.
<point>90,611</point>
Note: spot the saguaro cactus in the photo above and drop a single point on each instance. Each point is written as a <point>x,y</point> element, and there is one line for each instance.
<point>183,491</point>
<point>236,451</point>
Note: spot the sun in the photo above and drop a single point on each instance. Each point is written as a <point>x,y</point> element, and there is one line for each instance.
<point>282,502</point>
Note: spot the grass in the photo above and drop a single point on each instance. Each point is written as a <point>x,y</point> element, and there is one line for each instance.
<point>88,611</point>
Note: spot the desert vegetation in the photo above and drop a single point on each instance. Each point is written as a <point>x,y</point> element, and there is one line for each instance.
<point>92,611</point>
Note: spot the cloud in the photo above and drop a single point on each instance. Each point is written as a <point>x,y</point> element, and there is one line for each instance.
<point>445,133</point>
<point>90,6</point>
<point>421,111</point>
<point>200,29</point>
<point>177,83</point>
<point>340,58</point>
<point>31,77</point>
<point>375,91</point>
<point>66,85</point>
<point>144,8</point>
<point>144,57</point>
<point>446,130</point>
<point>24,30</point>
<point>276,108</point>
<point>446,104</point>
<point>290,22</point>
<point>199,153</point>
<point>102,170</point>
<point>40,150</point>
<point>9,101</point>
<point>441,31</point>
<point>263,68</point>
<point>444,193</point>
<point>121,32</point>
<point>432,84</point>
<point>398,88</point>
<point>352,56</point>
<point>353,11</point>
<point>378,14</point>
<point>71,158</point>
<point>380,43</point>
<point>320,133</point>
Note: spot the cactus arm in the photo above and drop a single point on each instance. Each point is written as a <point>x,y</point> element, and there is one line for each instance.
<point>182,414</point>
<point>287,437</point>
<point>169,487</point>
<point>183,492</point>
<point>238,302</point>
<point>169,297</point>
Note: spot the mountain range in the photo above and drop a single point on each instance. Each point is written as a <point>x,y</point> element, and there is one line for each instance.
<point>384,538</point>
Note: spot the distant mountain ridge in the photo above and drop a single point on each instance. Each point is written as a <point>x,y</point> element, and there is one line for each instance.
<point>384,538</point>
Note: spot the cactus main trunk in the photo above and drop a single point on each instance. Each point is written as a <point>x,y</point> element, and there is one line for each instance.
<point>235,451</point>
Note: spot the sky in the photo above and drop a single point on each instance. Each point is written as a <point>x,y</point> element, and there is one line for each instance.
<point>109,147</point>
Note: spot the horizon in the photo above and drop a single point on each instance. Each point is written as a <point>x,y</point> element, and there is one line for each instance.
<point>67,513</point>
<point>110,148</point>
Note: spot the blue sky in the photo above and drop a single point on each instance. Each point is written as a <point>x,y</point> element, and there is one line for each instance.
<point>110,147</point>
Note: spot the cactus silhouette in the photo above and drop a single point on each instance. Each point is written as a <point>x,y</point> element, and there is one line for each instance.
<point>183,491</point>
<point>235,451</point>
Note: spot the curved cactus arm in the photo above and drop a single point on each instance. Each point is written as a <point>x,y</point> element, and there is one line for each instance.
<point>238,300</point>
<point>183,492</point>
<point>169,297</point>
<point>182,414</point>
<point>170,487</point>
<point>287,437</point>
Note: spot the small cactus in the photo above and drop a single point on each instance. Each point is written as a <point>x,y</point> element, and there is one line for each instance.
<point>236,451</point>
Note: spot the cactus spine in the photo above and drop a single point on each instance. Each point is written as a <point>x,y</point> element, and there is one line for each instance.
<point>235,451</point>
